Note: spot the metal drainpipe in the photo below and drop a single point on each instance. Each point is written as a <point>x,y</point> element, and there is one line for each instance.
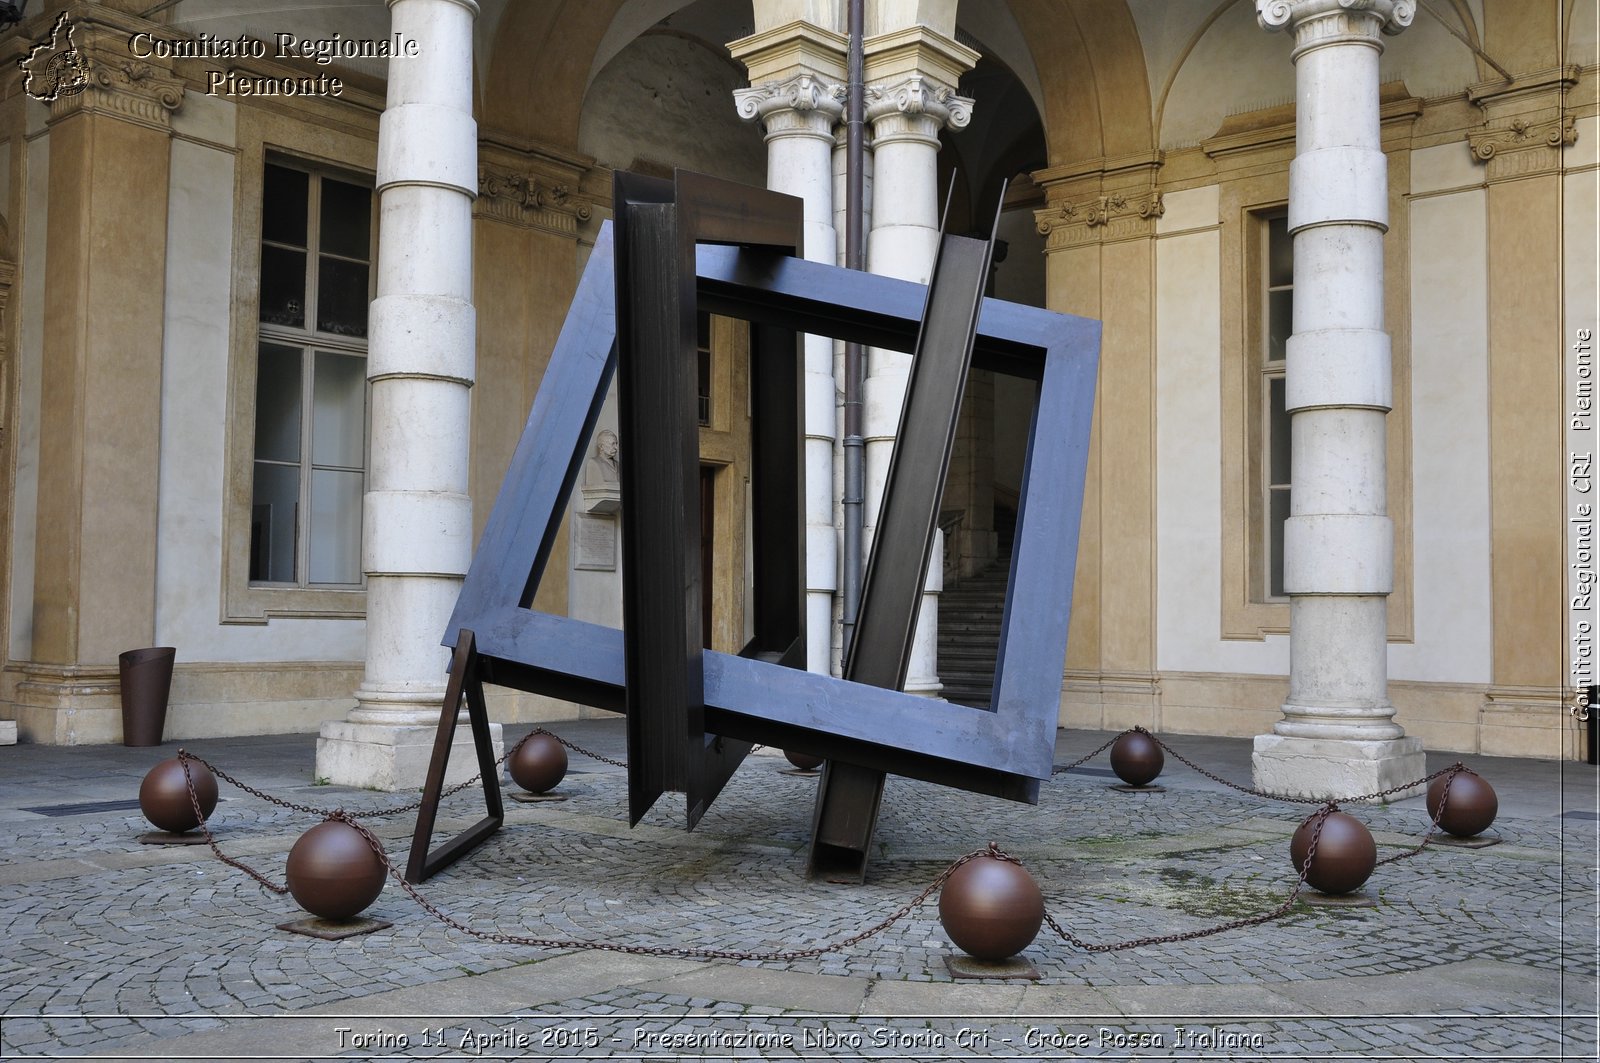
<point>855,446</point>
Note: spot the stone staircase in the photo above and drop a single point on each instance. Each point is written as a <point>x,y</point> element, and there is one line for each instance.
<point>969,634</point>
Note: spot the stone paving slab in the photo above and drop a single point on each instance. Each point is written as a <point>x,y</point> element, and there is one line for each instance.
<point>128,951</point>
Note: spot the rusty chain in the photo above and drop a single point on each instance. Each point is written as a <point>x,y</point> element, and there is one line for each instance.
<point>1087,757</point>
<point>1283,909</point>
<point>1449,774</point>
<point>499,938</point>
<point>413,806</point>
<point>1252,791</point>
<point>1321,815</point>
<point>184,757</point>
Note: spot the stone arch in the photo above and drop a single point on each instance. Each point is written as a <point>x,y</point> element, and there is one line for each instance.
<point>1092,72</point>
<point>542,101</point>
<point>661,93</point>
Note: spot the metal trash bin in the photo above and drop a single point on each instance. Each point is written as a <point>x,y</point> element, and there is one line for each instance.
<point>146,683</point>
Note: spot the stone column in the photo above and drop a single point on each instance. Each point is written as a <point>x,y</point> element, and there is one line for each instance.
<point>796,73</point>
<point>416,540</point>
<point>1337,735</point>
<point>911,75</point>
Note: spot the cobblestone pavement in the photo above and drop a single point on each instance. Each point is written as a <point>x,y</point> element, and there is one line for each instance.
<point>112,949</point>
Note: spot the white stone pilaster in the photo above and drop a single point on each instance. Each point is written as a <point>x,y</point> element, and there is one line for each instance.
<point>799,114</point>
<point>417,527</point>
<point>906,114</point>
<point>1337,736</point>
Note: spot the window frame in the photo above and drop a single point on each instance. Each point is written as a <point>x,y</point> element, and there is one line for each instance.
<point>1270,371</point>
<point>311,342</point>
<point>265,137</point>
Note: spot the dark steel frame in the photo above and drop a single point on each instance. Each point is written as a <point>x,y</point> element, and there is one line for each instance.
<point>691,732</point>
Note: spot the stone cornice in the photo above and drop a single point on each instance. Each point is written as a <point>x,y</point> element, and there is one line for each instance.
<point>1147,162</point>
<point>529,199</point>
<point>1536,84</point>
<point>792,49</point>
<point>1275,127</point>
<point>916,50</point>
<point>501,148</point>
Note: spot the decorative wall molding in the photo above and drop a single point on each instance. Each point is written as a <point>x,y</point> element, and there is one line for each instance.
<point>529,199</point>
<point>1526,124</point>
<point>133,90</point>
<point>1521,134</point>
<point>1107,217</point>
<point>1100,200</point>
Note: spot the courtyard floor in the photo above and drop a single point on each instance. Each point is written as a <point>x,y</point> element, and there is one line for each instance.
<point>116,950</point>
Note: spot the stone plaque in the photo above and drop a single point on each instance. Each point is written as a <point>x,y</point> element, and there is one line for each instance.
<point>597,542</point>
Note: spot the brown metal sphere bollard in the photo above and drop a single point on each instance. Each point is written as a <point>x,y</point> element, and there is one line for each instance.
<point>164,795</point>
<point>539,763</point>
<point>1345,856</point>
<point>1136,758</point>
<point>991,908</point>
<point>333,871</point>
<point>1471,806</point>
<point>803,761</point>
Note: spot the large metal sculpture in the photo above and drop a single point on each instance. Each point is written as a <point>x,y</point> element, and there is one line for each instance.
<point>693,714</point>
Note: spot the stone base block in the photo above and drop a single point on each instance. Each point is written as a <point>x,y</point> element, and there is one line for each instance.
<point>8,732</point>
<point>393,757</point>
<point>967,967</point>
<point>1336,769</point>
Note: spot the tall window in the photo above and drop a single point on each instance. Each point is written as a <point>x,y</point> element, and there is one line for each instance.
<point>1278,310</point>
<point>311,406</point>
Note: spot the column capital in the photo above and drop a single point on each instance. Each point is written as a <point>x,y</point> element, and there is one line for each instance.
<point>1316,23</point>
<point>802,105</point>
<point>470,5</point>
<point>915,108</point>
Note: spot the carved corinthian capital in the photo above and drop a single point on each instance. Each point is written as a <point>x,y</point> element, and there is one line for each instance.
<point>914,110</point>
<point>803,104</point>
<point>1313,21</point>
<point>803,92</point>
<point>916,95</point>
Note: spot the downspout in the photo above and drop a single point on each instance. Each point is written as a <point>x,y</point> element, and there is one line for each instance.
<point>855,362</point>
